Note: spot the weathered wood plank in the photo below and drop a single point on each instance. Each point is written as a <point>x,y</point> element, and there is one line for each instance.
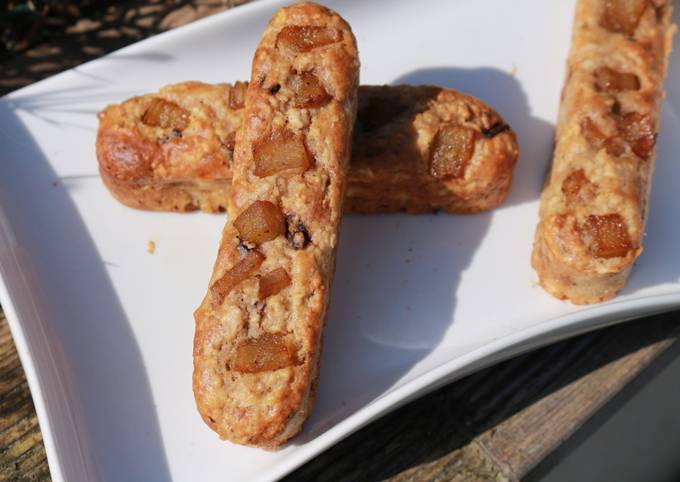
<point>520,440</point>
<point>22,454</point>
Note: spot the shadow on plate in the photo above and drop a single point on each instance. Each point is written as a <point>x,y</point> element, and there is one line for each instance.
<point>112,405</point>
<point>424,256</point>
<point>55,105</point>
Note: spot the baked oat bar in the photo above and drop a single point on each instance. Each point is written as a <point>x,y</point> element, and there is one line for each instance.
<point>258,332</point>
<point>416,150</point>
<point>594,204</point>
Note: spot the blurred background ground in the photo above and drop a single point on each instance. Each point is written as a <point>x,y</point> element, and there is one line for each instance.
<point>39,38</point>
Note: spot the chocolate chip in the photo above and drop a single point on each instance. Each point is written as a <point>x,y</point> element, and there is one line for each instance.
<point>274,89</point>
<point>495,129</point>
<point>296,232</point>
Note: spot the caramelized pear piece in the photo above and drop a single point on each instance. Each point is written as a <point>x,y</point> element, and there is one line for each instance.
<point>273,282</point>
<point>268,352</point>
<point>165,114</point>
<point>237,95</point>
<point>610,81</point>
<point>638,131</point>
<point>573,183</point>
<point>622,15</point>
<point>614,146</point>
<point>598,139</point>
<point>260,222</point>
<point>243,269</point>
<point>308,91</point>
<point>451,151</point>
<point>606,235</point>
<point>282,152</point>
<point>305,38</point>
<point>592,133</point>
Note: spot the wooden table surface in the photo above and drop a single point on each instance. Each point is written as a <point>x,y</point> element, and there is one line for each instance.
<point>497,424</point>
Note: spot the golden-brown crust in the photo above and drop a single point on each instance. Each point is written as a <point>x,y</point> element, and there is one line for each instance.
<point>389,171</point>
<point>185,196</point>
<point>238,398</point>
<point>132,151</point>
<point>593,206</point>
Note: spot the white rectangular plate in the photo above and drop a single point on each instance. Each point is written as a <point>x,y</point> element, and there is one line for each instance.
<point>105,329</point>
